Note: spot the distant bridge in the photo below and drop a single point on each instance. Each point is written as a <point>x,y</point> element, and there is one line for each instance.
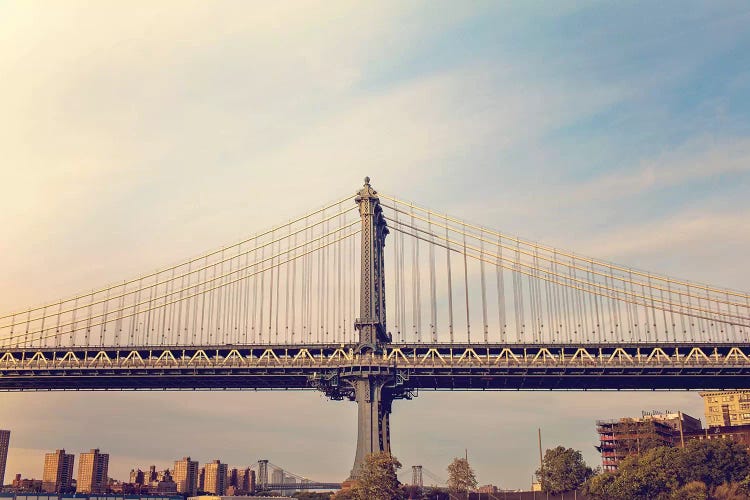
<point>291,482</point>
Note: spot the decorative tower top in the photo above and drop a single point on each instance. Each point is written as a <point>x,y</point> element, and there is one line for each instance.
<point>367,192</point>
<point>371,322</point>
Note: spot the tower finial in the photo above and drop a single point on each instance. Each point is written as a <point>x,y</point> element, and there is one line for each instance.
<point>367,181</point>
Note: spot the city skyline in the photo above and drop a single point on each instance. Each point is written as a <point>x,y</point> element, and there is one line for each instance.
<point>200,465</point>
<point>145,135</point>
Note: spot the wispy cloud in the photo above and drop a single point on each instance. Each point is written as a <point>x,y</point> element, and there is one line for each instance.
<point>701,159</point>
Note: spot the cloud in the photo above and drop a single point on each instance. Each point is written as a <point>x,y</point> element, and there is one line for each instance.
<point>700,159</point>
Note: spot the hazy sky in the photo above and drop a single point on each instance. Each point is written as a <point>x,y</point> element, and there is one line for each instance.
<point>135,134</point>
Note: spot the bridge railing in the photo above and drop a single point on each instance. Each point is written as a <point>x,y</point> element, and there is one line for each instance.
<point>396,357</point>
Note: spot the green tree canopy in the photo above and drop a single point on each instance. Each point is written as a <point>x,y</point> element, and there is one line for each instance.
<point>714,462</point>
<point>703,469</point>
<point>563,469</point>
<point>461,478</point>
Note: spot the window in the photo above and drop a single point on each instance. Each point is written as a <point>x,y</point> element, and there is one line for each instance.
<point>746,416</point>
<point>713,409</point>
<point>726,399</point>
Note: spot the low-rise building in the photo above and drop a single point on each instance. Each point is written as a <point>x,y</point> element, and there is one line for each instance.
<point>623,437</point>
<point>488,488</point>
<point>24,485</point>
<point>739,433</point>
<point>726,408</point>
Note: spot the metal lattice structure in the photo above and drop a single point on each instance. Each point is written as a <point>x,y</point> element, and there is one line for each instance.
<point>416,476</point>
<point>303,306</point>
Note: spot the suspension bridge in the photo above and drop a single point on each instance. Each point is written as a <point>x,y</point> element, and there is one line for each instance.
<point>271,477</point>
<point>303,306</point>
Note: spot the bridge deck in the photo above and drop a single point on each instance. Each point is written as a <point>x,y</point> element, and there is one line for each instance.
<point>417,366</point>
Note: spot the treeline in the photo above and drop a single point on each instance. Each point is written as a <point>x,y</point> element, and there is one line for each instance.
<point>717,469</point>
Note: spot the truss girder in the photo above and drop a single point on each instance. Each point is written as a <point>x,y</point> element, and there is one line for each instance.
<point>426,366</point>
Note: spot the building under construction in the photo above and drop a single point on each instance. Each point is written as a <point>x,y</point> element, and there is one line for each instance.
<point>621,438</point>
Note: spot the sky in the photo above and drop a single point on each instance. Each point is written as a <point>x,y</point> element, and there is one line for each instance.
<point>136,134</point>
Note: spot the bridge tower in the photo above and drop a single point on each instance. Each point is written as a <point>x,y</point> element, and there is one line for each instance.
<point>371,392</point>
<point>416,476</point>
<point>262,480</point>
<point>374,390</point>
<point>371,321</point>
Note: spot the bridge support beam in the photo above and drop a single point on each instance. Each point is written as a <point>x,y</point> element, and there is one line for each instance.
<point>374,400</point>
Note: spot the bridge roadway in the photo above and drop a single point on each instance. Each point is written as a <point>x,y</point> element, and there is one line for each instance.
<point>411,367</point>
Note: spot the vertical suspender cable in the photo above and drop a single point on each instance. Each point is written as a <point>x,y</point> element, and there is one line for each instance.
<point>484,288</point>
<point>433,299</point>
<point>450,283</point>
<point>219,317</point>
<point>304,291</point>
<point>262,304</point>
<point>516,316</point>
<point>278,289</point>
<point>88,319</point>
<point>246,299</point>
<point>414,280</point>
<point>500,291</point>
<point>466,289</point>
<point>293,291</point>
<point>595,297</point>
<point>255,295</point>
<point>287,292</point>
<point>549,319</point>
<point>396,279</point>
<point>271,291</point>
<point>73,321</point>
<point>238,285</point>
<point>520,293</point>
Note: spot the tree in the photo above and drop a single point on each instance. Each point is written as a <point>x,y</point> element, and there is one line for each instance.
<point>716,469</point>
<point>714,462</point>
<point>729,491</point>
<point>345,495</point>
<point>599,486</point>
<point>563,469</point>
<point>377,478</point>
<point>694,490</point>
<point>461,477</point>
